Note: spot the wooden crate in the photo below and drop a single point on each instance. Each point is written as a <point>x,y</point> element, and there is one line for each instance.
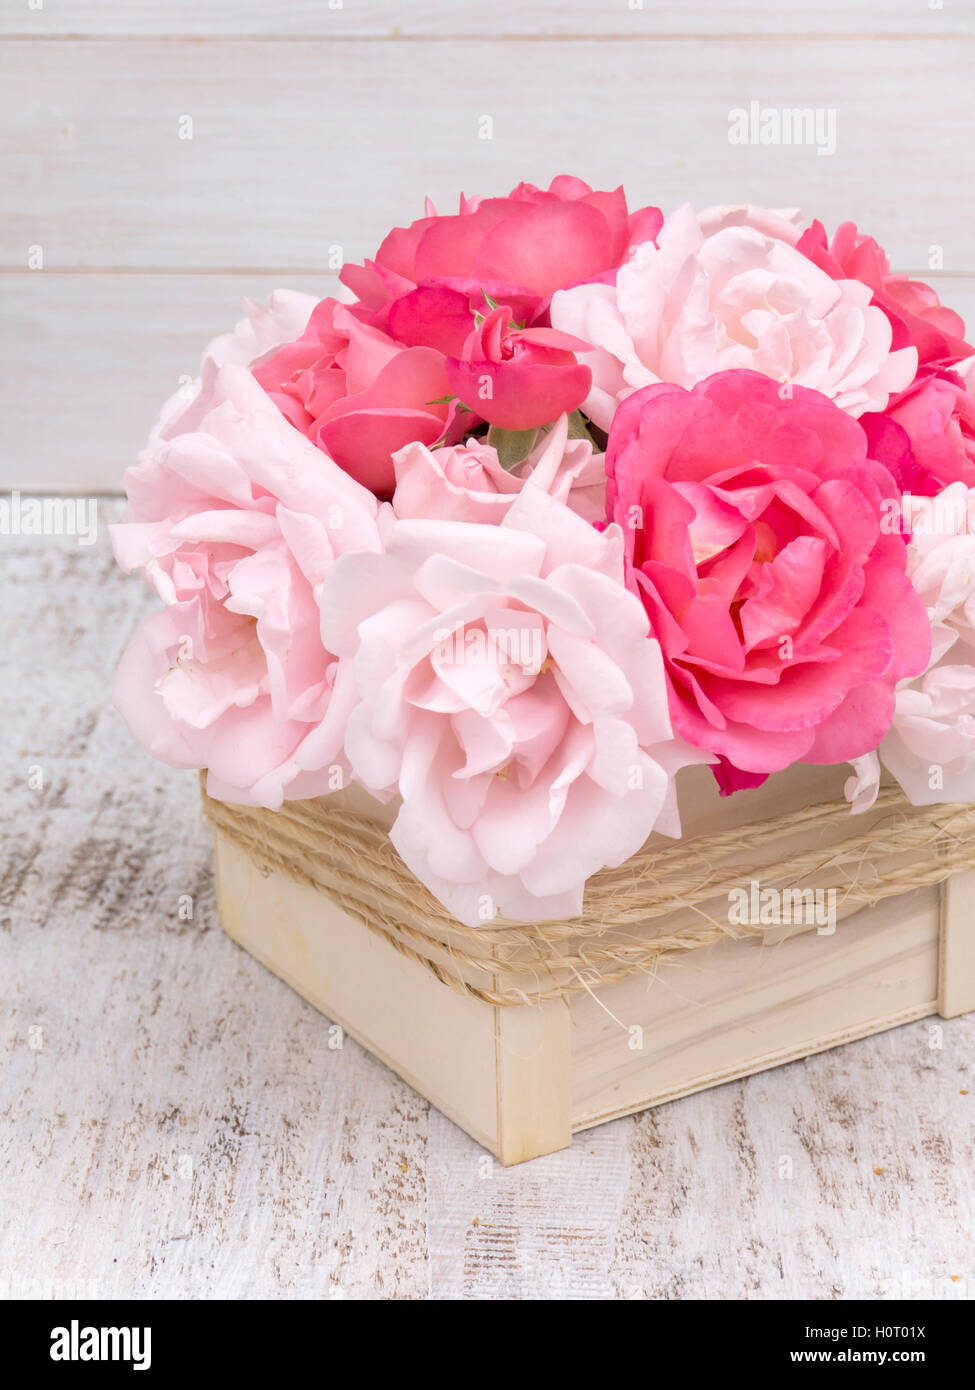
<point>522,1079</point>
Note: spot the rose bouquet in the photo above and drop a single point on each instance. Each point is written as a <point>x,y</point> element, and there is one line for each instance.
<point>560,498</point>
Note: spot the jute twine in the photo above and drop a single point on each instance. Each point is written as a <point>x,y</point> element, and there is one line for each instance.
<point>620,931</point>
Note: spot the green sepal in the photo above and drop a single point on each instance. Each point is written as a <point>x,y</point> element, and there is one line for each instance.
<point>513,446</point>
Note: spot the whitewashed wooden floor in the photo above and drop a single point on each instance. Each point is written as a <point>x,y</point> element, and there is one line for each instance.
<point>174,1124</point>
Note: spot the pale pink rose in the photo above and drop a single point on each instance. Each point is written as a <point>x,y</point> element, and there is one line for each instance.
<point>699,302</point>
<point>510,694</point>
<point>235,519</point>
<point>930,749</point>
<point>786,224</point>
<point>941,567</point>
<point>263,327</point>
<point>862,786</point>
<point>467,482</point>
<point>930,746</point>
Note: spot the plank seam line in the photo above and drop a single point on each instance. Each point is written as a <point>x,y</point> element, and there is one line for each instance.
<point>730,36</point>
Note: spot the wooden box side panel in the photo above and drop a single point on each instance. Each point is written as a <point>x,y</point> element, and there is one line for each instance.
<point>437,1040</point>
<point>956,993</point>
<point>739,1007</point>
<point>501,1074</point>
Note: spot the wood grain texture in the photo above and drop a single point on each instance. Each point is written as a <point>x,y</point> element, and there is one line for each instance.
<point>742,1006</point>
<point>500,1073</point>
<point>839,1178</point>
<point>298,148</point>
<point>92,169</point>
<point>394,1007</point>
<point>179,1127</point>
<point>408,18</point>
<point>165,1127</point>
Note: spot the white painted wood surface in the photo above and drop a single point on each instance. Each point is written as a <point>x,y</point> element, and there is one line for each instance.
<point>173,1122</point>
<point>449,18</point>
<point>298,147</point>
<point>333,132</point>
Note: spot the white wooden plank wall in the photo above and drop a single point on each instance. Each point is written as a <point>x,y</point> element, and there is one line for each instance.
<point>450,18</point>
<point>334,131</point>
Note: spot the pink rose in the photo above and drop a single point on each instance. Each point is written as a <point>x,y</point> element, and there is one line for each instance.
<point>753,534</point>
<point>263,327</point>
<point>518,378</point>
<point>917,316</point>
<point>235,520</point>
<point>399,366</point>
<point>941,567</point>
<point>360,395</point>
<point>516,249</point>
<point>282,319</point>
<point>937,414</point>
<point>930,746</point>
<point>467,482</point>
<point>509,693</point>
<point>784,224</point>
<point>930,749</point>
<point>703,301</point>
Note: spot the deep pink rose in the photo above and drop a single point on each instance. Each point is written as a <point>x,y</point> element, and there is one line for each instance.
<point>518,378</point>
<point>518,249</point>
<point>916,314</point>
<point>359,394</point>
<point>365,380</point>
<point>938,415</point>
<point>753,532</point>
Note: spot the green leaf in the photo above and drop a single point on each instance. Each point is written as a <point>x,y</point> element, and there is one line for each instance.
<point>578,426</point>
<point>491,303</point>
<point>512,445</point>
